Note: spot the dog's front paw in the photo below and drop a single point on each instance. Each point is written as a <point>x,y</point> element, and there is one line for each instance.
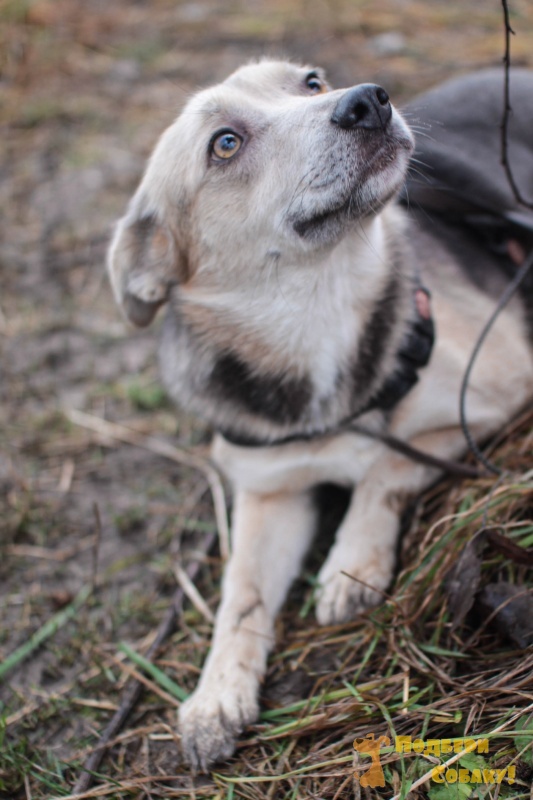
<point>348,589</point>
<point>210,722</point>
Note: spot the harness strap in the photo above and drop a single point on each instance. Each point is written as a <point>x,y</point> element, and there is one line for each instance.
<point>414,353</point>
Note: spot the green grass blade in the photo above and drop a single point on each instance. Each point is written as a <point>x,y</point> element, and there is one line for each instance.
<point>47,630</point>
<point>159,677</point>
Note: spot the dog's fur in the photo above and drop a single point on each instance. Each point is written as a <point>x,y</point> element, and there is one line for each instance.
<point>290,279</point>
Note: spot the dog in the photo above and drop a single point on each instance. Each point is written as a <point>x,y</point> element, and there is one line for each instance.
<point>299,325</point>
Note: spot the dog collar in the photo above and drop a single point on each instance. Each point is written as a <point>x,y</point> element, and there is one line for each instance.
<point>413,354</point>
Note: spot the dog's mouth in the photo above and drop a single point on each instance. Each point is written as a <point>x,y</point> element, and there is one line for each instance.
<point>337,216</point>
<point>310,227</point>
<point>377,183</point>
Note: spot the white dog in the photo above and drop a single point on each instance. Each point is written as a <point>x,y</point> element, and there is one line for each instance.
<point>295,306</point>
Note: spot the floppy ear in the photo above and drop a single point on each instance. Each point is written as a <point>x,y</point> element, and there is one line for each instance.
<point>142,263</point>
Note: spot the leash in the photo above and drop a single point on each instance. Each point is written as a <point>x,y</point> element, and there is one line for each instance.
<point>510,290</point>
<point>414,454</point>
<point>448,465</point>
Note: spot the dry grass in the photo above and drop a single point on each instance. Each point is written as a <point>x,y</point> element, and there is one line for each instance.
<point>400,671</point>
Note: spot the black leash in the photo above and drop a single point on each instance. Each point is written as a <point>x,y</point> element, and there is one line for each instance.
<point>447,465</point>
<point>510,290</point>
<point>413,453</point>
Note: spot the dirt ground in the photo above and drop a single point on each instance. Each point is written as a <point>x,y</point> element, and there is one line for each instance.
<point>86,87</point>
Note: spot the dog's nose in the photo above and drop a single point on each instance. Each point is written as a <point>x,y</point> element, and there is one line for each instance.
<point>365,106</point>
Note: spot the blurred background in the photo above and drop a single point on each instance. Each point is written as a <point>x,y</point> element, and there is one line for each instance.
<point>86,87</point>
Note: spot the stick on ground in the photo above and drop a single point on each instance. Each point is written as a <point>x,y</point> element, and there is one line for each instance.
<point>133,690</point>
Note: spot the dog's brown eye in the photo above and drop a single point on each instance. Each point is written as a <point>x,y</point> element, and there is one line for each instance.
<point>226,145</point>
<point>314,84</point>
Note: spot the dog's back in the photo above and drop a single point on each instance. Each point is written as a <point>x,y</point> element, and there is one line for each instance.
<point>457,187</point>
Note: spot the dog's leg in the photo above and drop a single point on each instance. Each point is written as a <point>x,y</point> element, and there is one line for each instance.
<point>271,534</point>
<point>365,543</point>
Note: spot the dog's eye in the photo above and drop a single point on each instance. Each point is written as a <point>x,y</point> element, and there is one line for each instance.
<point>226,145</point>
<point>314,84</point>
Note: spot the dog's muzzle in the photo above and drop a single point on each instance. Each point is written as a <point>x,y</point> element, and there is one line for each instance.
<point>365,106</point>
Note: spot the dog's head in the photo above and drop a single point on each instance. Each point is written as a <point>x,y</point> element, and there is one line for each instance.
<point>266,169</point>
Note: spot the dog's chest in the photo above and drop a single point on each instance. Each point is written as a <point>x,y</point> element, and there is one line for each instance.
<point>304,327</point>
<point>311,333</point>
<point>300,355</point>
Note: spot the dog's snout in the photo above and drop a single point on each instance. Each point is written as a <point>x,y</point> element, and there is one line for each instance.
<point>365,106</point>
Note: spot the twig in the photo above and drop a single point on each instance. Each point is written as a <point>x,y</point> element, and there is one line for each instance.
<point>139,676</point>
<point>511,721</point>
<point>48,553</point>
<point>127,786</point>
<point>112,430</point>
<point>193,594</point>
<point>97,540</point>
<point>67,474</point>
<point>133,690</point>
<point>507,109</point>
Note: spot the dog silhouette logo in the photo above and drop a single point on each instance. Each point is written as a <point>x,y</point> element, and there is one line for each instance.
<point>371,746</point>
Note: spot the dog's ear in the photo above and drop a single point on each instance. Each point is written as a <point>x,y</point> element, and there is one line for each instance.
<point>142,262</point>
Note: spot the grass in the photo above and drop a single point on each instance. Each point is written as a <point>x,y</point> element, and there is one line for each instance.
<point>400,671</point>
<point>45,632</point>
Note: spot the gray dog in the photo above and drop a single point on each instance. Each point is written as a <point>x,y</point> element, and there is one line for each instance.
<point>296,304</point>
